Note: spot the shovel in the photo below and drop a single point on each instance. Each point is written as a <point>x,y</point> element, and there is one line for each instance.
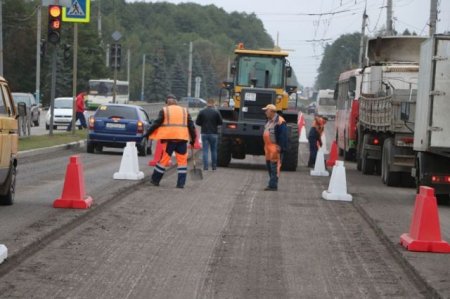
<point>195,173</point>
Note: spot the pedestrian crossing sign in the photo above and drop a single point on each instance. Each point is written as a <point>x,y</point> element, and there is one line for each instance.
<point>78,12</point>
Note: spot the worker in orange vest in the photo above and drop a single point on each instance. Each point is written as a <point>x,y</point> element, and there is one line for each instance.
<point>174,128</point>
<point>275,144</point>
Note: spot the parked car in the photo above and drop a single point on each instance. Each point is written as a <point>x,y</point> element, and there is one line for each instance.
<point>31,104</point>
<point>8,150</point>
<point>311,109</point>
<point>63,113</point>
<point>192,102</point>
<point>113,125</point>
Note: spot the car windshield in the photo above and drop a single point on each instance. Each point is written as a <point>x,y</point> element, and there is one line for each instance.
<point>22,98</point>
<point>63,103</point>
<point>100,88</point>
<point>267,71</point>
<point>116,111</point>
<point>327,102</point>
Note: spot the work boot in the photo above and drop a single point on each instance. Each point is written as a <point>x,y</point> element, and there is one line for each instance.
<point>270,189</point>
<point>156,178</point>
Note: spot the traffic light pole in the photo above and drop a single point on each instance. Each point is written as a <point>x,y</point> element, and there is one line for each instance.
<point>115,73</point>
<point>52,90</point>
<point>75,71</point>
<point>38,54</point>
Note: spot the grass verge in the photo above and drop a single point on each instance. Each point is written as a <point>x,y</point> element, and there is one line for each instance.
<point>34,142</point>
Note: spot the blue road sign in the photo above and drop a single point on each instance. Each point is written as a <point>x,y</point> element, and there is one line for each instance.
<point>78,12</point>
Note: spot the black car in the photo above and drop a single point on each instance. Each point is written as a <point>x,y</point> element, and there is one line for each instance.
<point>192,102</point>
<point>311,109</point>
<point>31,104</point>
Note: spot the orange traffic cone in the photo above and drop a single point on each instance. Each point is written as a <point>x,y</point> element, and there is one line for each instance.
<point>197,143</point>
<point>333,155</point>
<point>158,154</point>
<point>73,194</point>
<point>425,231</point>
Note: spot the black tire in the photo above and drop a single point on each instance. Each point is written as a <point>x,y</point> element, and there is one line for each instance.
<point>290,157</point>
<point>389,177</point>
<point>367,165</point>
<point>55,127</point>
<point>224,151</point>
<point>142,148</point>
<point>443,199</point>
<point>36,122</point>
<point>8,198</point>
<point>47,127</point>
<point>99,148</point>
<point>90,147</point>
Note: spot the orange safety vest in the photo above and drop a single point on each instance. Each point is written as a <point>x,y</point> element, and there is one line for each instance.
<point>270,143</point>
<point>174,126</point>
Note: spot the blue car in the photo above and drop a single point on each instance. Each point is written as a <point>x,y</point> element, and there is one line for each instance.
<point>113,125</point>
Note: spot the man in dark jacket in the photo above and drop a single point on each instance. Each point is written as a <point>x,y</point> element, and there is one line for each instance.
<point>209,119</point>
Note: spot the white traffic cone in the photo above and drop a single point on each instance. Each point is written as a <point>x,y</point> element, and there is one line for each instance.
<point>129,166</point>
<point>319,167</point>
<point>337,189</point>
<point>324,143</point>
<point>3,253</point>
<point>302,138</point>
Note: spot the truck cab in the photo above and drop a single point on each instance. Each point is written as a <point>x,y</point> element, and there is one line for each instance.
<point>8,144</point>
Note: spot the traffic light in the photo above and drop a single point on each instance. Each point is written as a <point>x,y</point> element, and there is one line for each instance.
<point>54,23</point>
<point>115,56</point>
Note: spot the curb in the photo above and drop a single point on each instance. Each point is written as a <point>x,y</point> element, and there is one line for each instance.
<point>51,149</point>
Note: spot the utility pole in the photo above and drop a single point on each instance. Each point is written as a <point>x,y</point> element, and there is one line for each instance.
<point>143,78</point>
<point>115,74</point>
<point>190,71</point>
<point>363,39</point>
<point>433,16</point>
<point>99,19</point>
<point>389,18</point>
<point>53,89</point>
<point>74,75</point>
<point>38,54</point>
<point>128,65</point>
<point>1,37</point>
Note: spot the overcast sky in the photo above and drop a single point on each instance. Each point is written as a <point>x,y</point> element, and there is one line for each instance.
<point>296,27</point>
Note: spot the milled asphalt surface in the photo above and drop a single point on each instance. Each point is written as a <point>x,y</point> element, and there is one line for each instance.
<point>221,238</point>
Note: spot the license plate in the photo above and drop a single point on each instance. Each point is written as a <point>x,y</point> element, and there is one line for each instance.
<point>115,126</point>
<point>250,96</point>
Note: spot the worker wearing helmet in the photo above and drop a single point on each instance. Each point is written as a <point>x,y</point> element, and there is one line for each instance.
<point>275,144</point>
<point>174,128</point>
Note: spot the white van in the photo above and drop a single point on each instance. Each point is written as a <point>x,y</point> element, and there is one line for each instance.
<point>326,104</point>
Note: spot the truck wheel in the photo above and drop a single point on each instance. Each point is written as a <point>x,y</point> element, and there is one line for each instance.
<point>443,199</point>
<point>224,151</point>
<point>290,157</point>
<point>8,198</point>
<point>367,165</point>
<point>47,127</point>
<point>389,177</point>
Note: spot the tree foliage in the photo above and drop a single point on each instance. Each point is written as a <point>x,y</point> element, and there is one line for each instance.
<point>160,30</point>
<point>341,55</point>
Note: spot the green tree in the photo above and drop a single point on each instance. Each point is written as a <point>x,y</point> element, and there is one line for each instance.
<point>341,55</point>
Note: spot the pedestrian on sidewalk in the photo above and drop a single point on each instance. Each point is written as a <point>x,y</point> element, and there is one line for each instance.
<point>209,119</point>
<point>315,140</point>
<point>275,143</point>
<point>79,111</point>
<point>174,128</point>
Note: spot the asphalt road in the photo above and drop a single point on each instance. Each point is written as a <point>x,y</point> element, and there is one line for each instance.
<point>222,237</point>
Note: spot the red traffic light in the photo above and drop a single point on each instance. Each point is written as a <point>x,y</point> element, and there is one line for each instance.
<point>54,11</point>
<point>55,24</point>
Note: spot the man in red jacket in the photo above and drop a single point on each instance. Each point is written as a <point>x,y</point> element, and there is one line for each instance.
<point>79,111</point>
